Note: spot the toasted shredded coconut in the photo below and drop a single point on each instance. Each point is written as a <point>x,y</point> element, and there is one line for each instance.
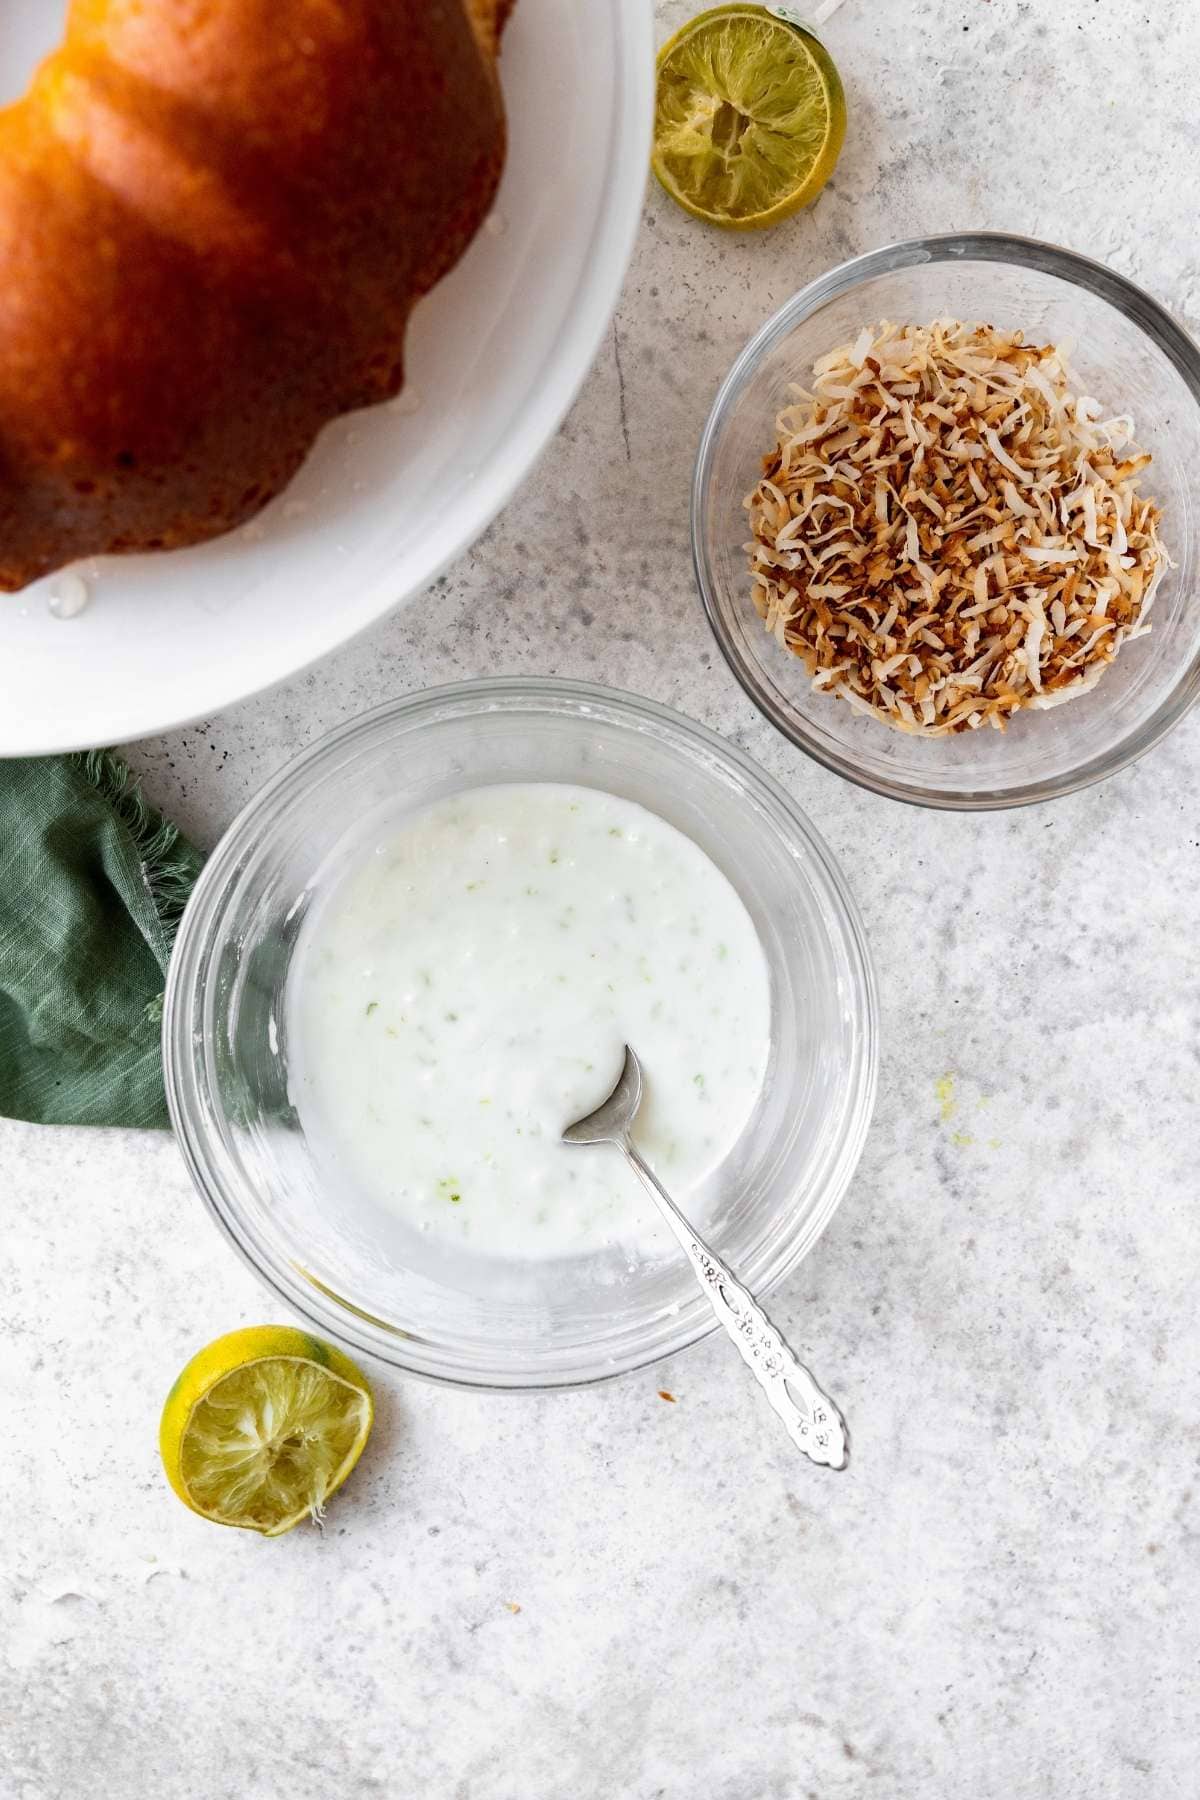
<point>945,532</point>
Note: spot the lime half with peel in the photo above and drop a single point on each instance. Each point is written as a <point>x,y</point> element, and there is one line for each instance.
<point>263,1426</point>
<point>750,117</point>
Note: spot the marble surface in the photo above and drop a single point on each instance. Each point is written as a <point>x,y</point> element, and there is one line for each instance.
<point>602,1596</point>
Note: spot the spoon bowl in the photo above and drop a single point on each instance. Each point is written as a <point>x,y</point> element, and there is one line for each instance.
<point>613,1118</point>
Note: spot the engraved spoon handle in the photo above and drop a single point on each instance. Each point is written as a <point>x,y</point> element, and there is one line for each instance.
<point>810,1417</point>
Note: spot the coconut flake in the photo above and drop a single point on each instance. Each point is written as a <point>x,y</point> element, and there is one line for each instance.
<point>1002,457</point>
<point>1027,583</point>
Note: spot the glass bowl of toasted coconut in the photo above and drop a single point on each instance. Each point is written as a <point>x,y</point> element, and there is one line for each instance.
<point>942,524</point>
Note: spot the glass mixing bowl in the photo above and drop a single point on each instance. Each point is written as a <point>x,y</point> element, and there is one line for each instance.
<point>1129,353</point>
<point>488,1323</point>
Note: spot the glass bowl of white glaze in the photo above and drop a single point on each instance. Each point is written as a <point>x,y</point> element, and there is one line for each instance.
<point>362,1276</point>
<point>1128,352</point>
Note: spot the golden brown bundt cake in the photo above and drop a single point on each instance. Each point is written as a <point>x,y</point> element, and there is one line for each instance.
<point>490,18</point>
<point>215,217</point>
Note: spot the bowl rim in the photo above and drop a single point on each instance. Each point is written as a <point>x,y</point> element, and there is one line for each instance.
<point>1176,344</point>
<point>183,1017</point>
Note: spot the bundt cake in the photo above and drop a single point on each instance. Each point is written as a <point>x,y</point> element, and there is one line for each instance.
<point>215,218</point>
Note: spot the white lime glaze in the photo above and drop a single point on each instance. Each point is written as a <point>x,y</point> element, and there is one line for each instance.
<point>466,990</point>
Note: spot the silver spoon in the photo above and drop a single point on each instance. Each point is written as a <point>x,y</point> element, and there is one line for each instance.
<point>810,1418</point>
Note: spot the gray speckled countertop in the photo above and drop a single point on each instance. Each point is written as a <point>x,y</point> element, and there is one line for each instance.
<point>1002,1599</point>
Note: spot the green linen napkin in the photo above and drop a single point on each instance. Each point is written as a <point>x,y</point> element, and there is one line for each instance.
<point>93,882</point>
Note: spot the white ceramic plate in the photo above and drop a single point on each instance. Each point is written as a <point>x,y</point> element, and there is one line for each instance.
<point>390,496</point>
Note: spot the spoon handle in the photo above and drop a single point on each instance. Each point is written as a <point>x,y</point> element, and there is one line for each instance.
<point>810,1417</point>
